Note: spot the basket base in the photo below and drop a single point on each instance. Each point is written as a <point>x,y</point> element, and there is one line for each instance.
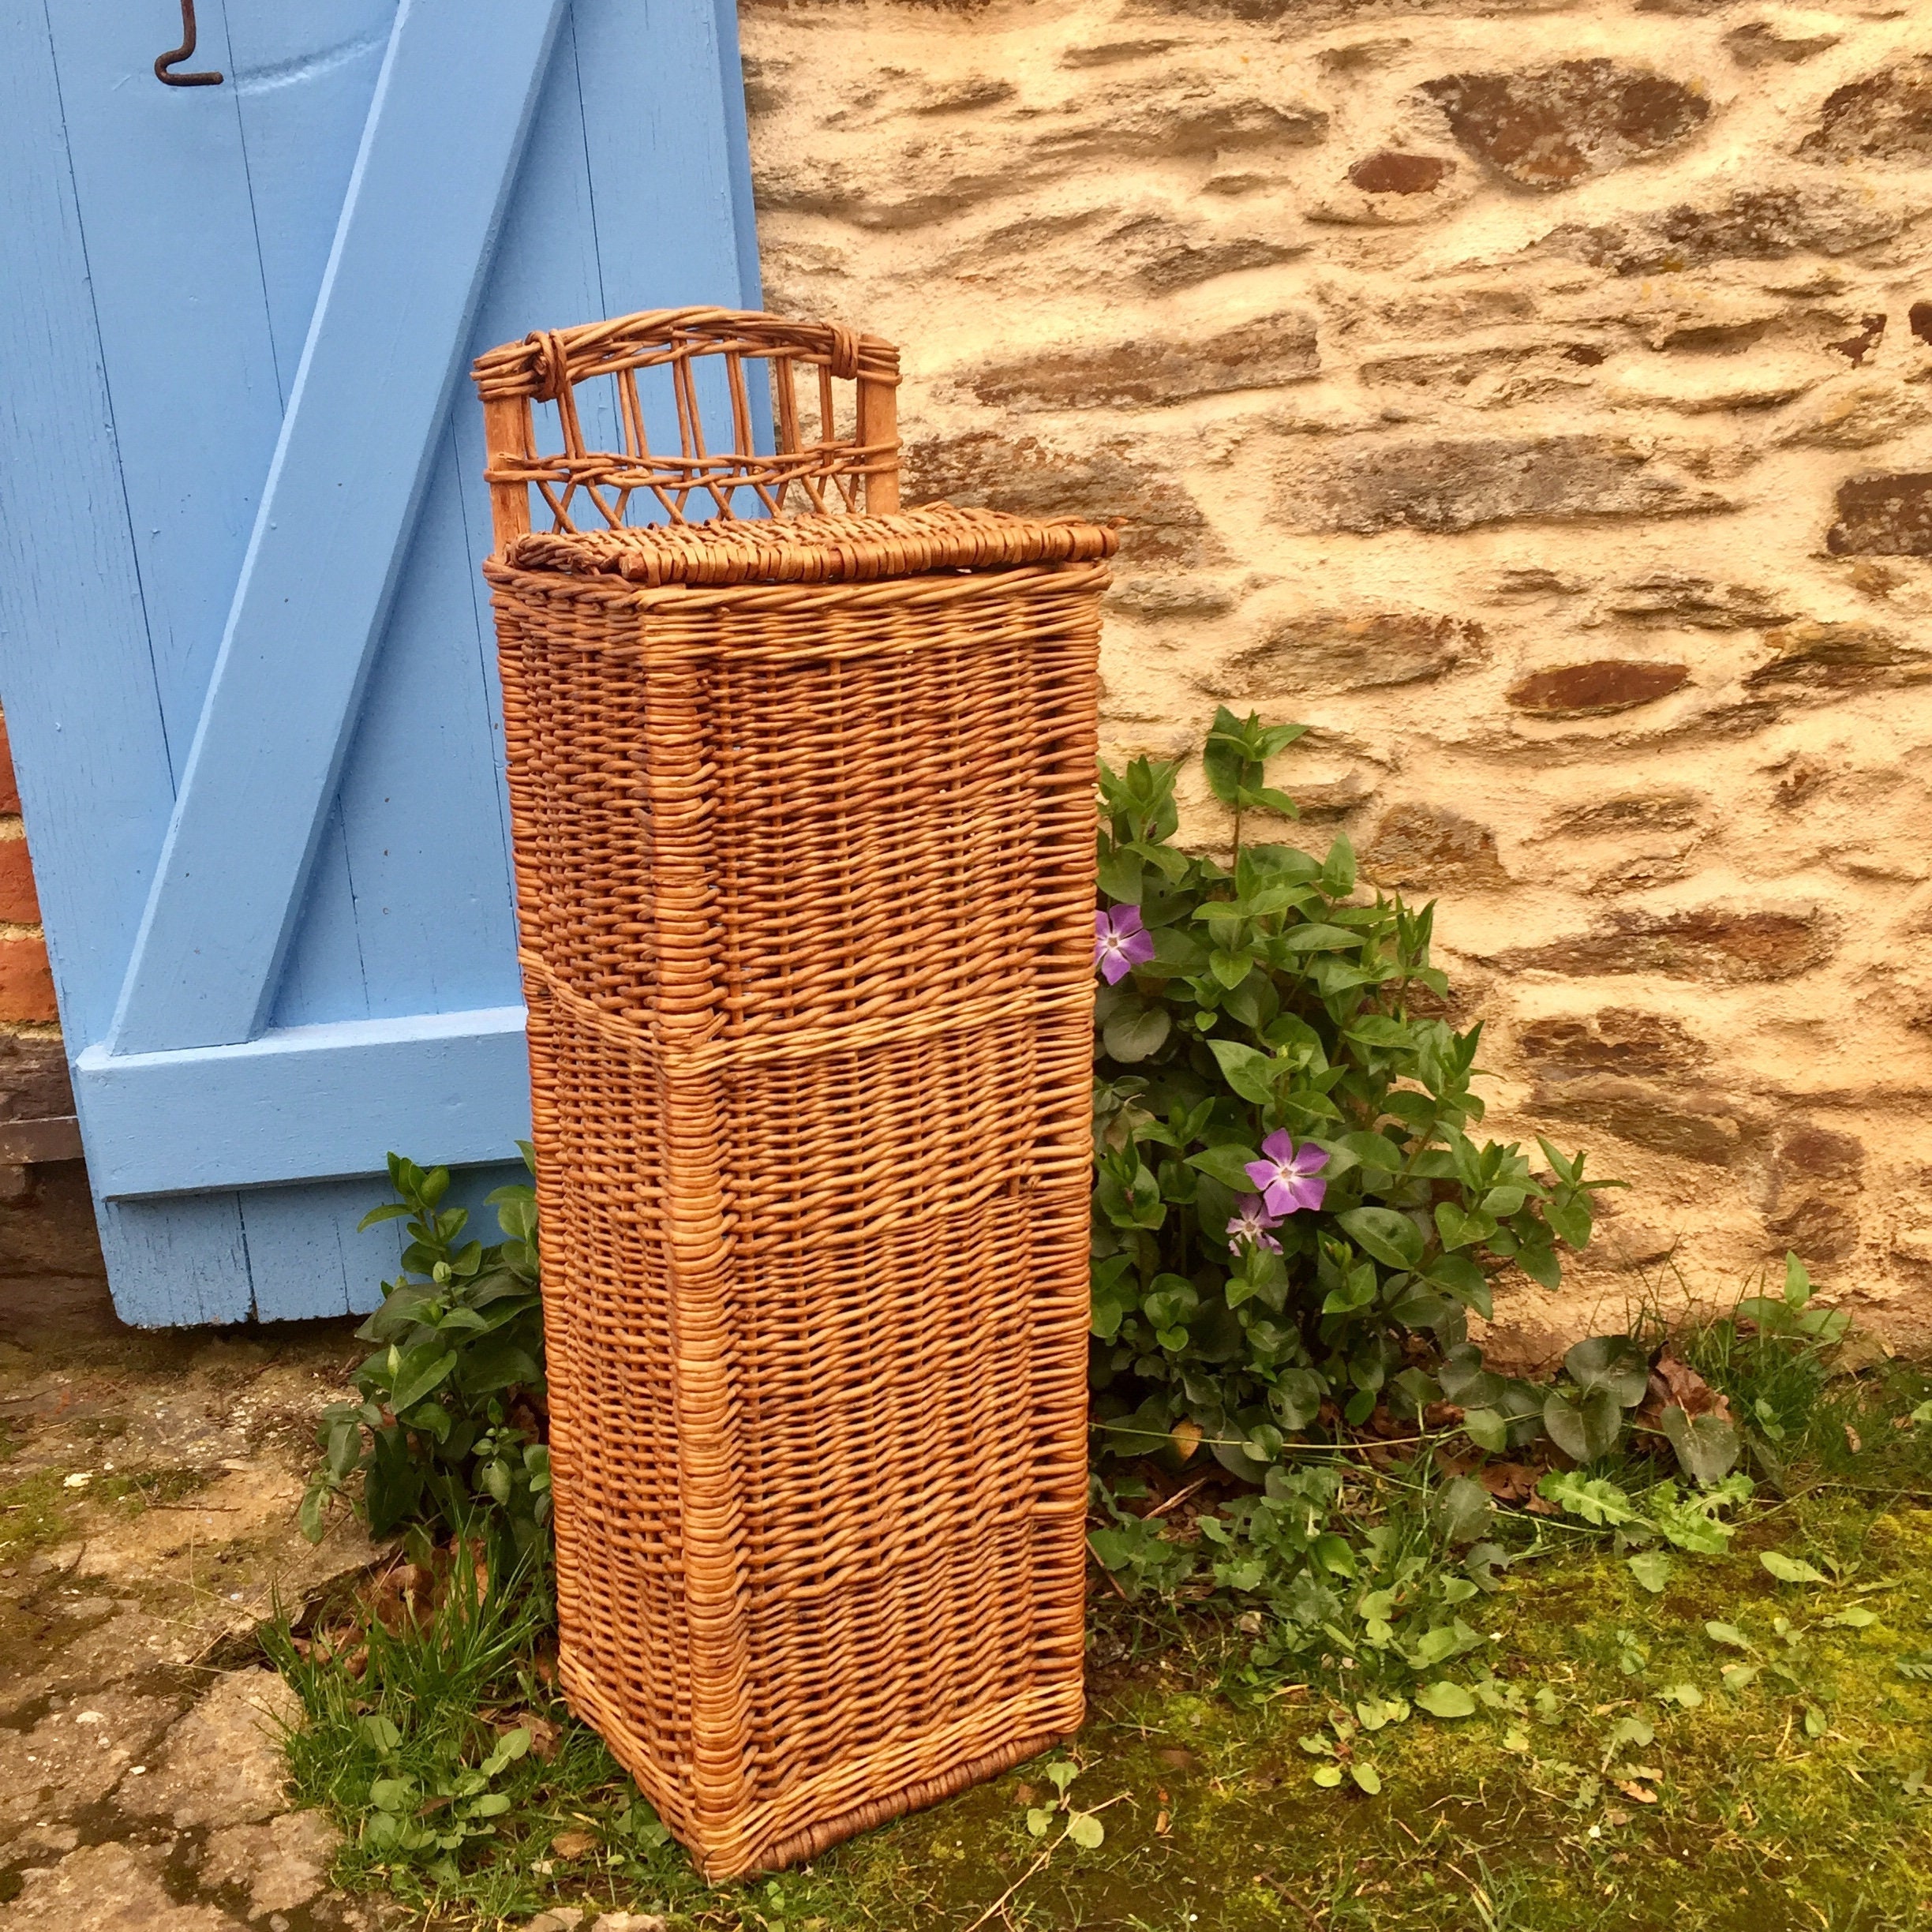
<point>780,1832</point>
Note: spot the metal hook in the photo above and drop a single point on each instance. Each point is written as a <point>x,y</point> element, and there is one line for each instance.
<point>164,61</point>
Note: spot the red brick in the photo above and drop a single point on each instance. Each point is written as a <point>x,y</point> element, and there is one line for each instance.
<point>26,981</point>
<point>9,790</point>
<point>19,905</point>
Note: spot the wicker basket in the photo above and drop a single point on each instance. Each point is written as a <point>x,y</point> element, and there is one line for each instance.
<point>802,807</point>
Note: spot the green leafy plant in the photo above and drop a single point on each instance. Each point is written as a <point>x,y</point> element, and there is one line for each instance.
<point>1792,1314</point>
<point>449,1438</point>
<point>1289,1210</point>
<point>1078,1828</point>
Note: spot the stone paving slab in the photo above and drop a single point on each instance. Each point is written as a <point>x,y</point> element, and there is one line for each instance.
<point>147,1498</point>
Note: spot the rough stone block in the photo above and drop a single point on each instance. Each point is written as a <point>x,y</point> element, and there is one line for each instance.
<point>1551,127</point>
<point>1262,353</point>
<point>1597,690</point>
<point>1740,224</point>
<point>1667,1118</point>
<point>1883,514</point>
<point>1108,479</point>
<point>1837,655</point>
<point>1459,483</point>
<point>1310,654</point>
<point>1706,942</point>
<point>222,1764</point>
<point>1784,42</point>
<point>1886,117</point>
<point>1670,810</point>
<point>1626,1040</point>
<point>1433,847</point>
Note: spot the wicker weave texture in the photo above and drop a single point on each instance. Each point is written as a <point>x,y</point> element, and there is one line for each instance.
<point>805,876</point>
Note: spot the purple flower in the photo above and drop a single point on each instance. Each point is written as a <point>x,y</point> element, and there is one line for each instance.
<point>1251,1223</point>
<point>1121,942</point>
<point>1287,1177</point>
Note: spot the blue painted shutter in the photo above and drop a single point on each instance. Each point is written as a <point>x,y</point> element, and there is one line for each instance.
<point>246,659</point>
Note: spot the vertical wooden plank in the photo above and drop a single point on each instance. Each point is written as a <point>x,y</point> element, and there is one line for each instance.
<point>664,117</point>
<point>445,130</point>
<point>171,254</point>
<point>305,1257</point>
<point>180,1260</point>
<point>425,844</point>
<point>663,128</point>
<point>303,72</point>
<point>75,673</point>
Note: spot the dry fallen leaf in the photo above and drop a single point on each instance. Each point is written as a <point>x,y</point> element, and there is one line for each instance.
<point>1185,1435</point>
<point>1024,1794</point>
<point>1509,1482</point>
<point>1851,1439</point>
<point>574,1844</point>
<point>1173,1755</point>
<point>1676,1383</point>
<point>1162,1824</point>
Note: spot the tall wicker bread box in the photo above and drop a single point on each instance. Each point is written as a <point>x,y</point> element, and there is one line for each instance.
<point>802,794</point>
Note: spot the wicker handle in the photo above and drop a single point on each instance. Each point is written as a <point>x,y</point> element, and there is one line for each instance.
<point>812,467</point>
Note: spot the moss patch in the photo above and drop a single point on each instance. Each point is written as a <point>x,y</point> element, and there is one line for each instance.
<point>1626,1765</point>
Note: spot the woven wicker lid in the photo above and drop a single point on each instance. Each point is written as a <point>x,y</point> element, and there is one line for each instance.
<point>812,549</point>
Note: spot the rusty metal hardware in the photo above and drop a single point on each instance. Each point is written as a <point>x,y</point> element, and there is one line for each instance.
<point>164,62</point>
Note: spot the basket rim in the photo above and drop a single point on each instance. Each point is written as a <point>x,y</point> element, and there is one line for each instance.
<point>822,549</point>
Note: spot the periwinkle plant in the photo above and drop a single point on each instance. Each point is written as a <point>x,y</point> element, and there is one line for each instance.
<point>1289,1209</point>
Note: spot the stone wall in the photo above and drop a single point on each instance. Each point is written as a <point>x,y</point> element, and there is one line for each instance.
<point>1536,400</point>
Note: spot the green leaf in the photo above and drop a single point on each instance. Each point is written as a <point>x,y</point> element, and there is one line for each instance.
<point>1855,1617</point>
<point>1651,1568</point>
<point>380,1732</point>
<point>1797,1282</point>
<point>1317,938</point>
<point>1230,968</point>
<point>1459,1230</point>
<point>1487,1429</point>
<point>1392,1238</point>
<point>1569,1216</point>
<point>1729,1635</point>
<point>420,1369</point>
<point>1707,1446</point>
<point>1061,1773</point>
<point>1040,1821</point>
<point>1462,1508</point>
<point>1228,1164</point>
<point>1327,1776</point>
<point>1122,876</point>
<point>1444,1699</point>
<point>1539,1262</point>
<point>1367,1778</point>
<point>1597,1501</point>
<point>312,1519</point>
<point>1463,1279</point>
<point>1791,1569</point>
<point>1584,1431</point>
<point>1134,1034</point>
<point>1251,1074</point>
<point>1614,1362</point>
<point>1086,1831</point>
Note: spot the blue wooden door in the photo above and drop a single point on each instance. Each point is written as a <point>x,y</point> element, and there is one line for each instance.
<point>245,657</point>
